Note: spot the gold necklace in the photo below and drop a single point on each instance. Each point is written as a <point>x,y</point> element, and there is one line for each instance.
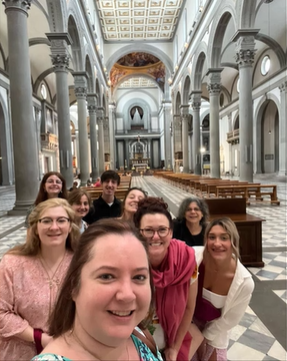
<point>52,280</point>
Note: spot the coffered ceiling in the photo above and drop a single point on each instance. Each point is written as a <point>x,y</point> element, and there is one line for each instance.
<point>139,19</point>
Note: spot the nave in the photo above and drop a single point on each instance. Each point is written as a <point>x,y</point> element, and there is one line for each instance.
<point>261,334</point>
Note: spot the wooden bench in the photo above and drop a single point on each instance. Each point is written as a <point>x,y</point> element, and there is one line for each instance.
<point>249,227</point>
<point>252,192</point>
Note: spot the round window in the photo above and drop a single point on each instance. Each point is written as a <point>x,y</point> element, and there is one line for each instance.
<point>265,65</point>
<point>43,91</point>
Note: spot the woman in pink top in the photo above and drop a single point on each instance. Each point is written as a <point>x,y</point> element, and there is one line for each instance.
<point>175,277</point>
<point>30,277</point>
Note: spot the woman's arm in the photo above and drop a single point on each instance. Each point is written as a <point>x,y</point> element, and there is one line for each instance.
<point>233,316</point>
<point>184,326</point>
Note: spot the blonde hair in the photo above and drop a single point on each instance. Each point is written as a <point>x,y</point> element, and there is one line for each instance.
<point>32,245</point>
<point>229,226</point>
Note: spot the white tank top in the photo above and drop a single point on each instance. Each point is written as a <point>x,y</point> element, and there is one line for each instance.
<point>218,301</point>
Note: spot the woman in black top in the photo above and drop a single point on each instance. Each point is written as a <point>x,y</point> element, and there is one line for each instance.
<point>190,224</point>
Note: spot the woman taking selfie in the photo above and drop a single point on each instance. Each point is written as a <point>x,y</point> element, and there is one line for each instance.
<point>175,277</point>
<point>224,289</point>
<point>30,277</point>
<point>108,291</point>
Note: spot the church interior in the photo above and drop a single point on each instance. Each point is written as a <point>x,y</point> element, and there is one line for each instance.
<point>185,86</point>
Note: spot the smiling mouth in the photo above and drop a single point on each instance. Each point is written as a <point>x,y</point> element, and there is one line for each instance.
<point>121,313</point>
<point>155,244</point>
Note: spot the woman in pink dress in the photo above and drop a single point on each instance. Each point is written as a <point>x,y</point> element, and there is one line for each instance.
<point>30,277</point>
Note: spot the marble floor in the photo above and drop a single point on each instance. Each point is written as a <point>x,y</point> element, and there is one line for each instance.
<point>261,334</point>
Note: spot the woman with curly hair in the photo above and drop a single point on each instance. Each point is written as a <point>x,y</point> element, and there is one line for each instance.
<point>174,272</point>
<point>191,221</point>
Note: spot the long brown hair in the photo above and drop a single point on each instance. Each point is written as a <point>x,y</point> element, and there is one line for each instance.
<point>63,316</point>
<point>42,194</point>
<point>75,196</point>
<point>32,245</point>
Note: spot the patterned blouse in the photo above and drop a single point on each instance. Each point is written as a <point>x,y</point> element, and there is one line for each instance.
<point>143,351</point>
<point>26,298</point>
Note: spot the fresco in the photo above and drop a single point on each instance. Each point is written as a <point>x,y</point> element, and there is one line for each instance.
<point>137,60</point>
<point>126,67</point>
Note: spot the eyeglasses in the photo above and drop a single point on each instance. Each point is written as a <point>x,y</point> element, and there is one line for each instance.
<point>51,181</point>
<point>149,233</point>
<point>193,209</point>
<point>48,222</point>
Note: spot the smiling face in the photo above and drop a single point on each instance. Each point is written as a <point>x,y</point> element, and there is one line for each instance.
<point>54,227</point>
<point>132,200</point>
<point>193,213</point>
<point>218,243</point>
<point>115,293</point>
<point>157,245</point>
<point>53,186</point>
<point>82,208</point>
<point>109,187</point>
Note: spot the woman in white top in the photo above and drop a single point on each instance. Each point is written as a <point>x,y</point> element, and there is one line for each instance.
<point>224,289</point>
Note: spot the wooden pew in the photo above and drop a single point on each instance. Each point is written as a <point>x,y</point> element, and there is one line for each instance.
<point>249,227</point>
<point>252,192</point>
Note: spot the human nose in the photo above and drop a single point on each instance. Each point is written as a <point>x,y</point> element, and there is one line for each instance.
<point>54,224</point>
<point>125,292</point>
<point>155,235</point>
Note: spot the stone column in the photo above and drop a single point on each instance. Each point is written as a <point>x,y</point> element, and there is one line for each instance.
<point>214,88</point>
<point>23,129</point>
<point>112,109</point>
<point>245,52</point>
<point>92,108</point>
<point>283,130</point>
<point>167,106</point>
<point>81,95</point>
<point>184,114</point>
<point>100,119</point>
<point>60,61</point>
<point>196,104</point>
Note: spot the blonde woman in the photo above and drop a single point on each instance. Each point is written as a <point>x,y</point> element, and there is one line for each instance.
<point>224,289</point>
<point>30,277</point>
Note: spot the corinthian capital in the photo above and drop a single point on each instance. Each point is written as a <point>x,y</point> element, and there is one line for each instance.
<point>17,4</point>
<point>283,87</point>
<point>60,62</point>
<point>196,106</point>
<point>214,88</point>
<point>81,92</point>
<point>245,57</point>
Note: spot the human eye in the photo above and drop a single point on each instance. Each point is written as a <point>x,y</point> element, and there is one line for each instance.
<point>162,230</point>
<point>140,278</point>
<point>62,220</point>
<point>148,232</point>
<point>211,237</point>
<point>46,221</point>
<point>106,277</point>
<point>225,237</point>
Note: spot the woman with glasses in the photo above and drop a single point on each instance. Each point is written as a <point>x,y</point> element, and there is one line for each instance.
<point>224,289</point>
<point>53,185</point>
<point>175,277</point>
<point>130,203</point>
<point>191,221</point>
<point>80,201</point>
<point>31,275</point>
<point>107,293</point>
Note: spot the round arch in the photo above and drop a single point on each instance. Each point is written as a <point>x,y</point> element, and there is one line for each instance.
<point>246,12</point>
<point>73,30</point>
<point>199,59</point>
<point>142,91</point>
<point>186,90</point>
<point>217,33</point>
<point>135,75</point>
<point>139,48</point>
<point>58,16</point>
<point>90,80</point>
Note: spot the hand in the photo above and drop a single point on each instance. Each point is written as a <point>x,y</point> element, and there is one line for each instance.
<point>45,339</point>
<point>170,354</point>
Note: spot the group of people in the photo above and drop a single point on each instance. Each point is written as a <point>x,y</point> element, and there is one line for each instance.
<point>120,281</point>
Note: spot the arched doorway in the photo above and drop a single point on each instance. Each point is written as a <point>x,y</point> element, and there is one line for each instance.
<point>270,138</point>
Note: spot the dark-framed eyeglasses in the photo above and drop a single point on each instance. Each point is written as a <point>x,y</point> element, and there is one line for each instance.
<point>149,232</point>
